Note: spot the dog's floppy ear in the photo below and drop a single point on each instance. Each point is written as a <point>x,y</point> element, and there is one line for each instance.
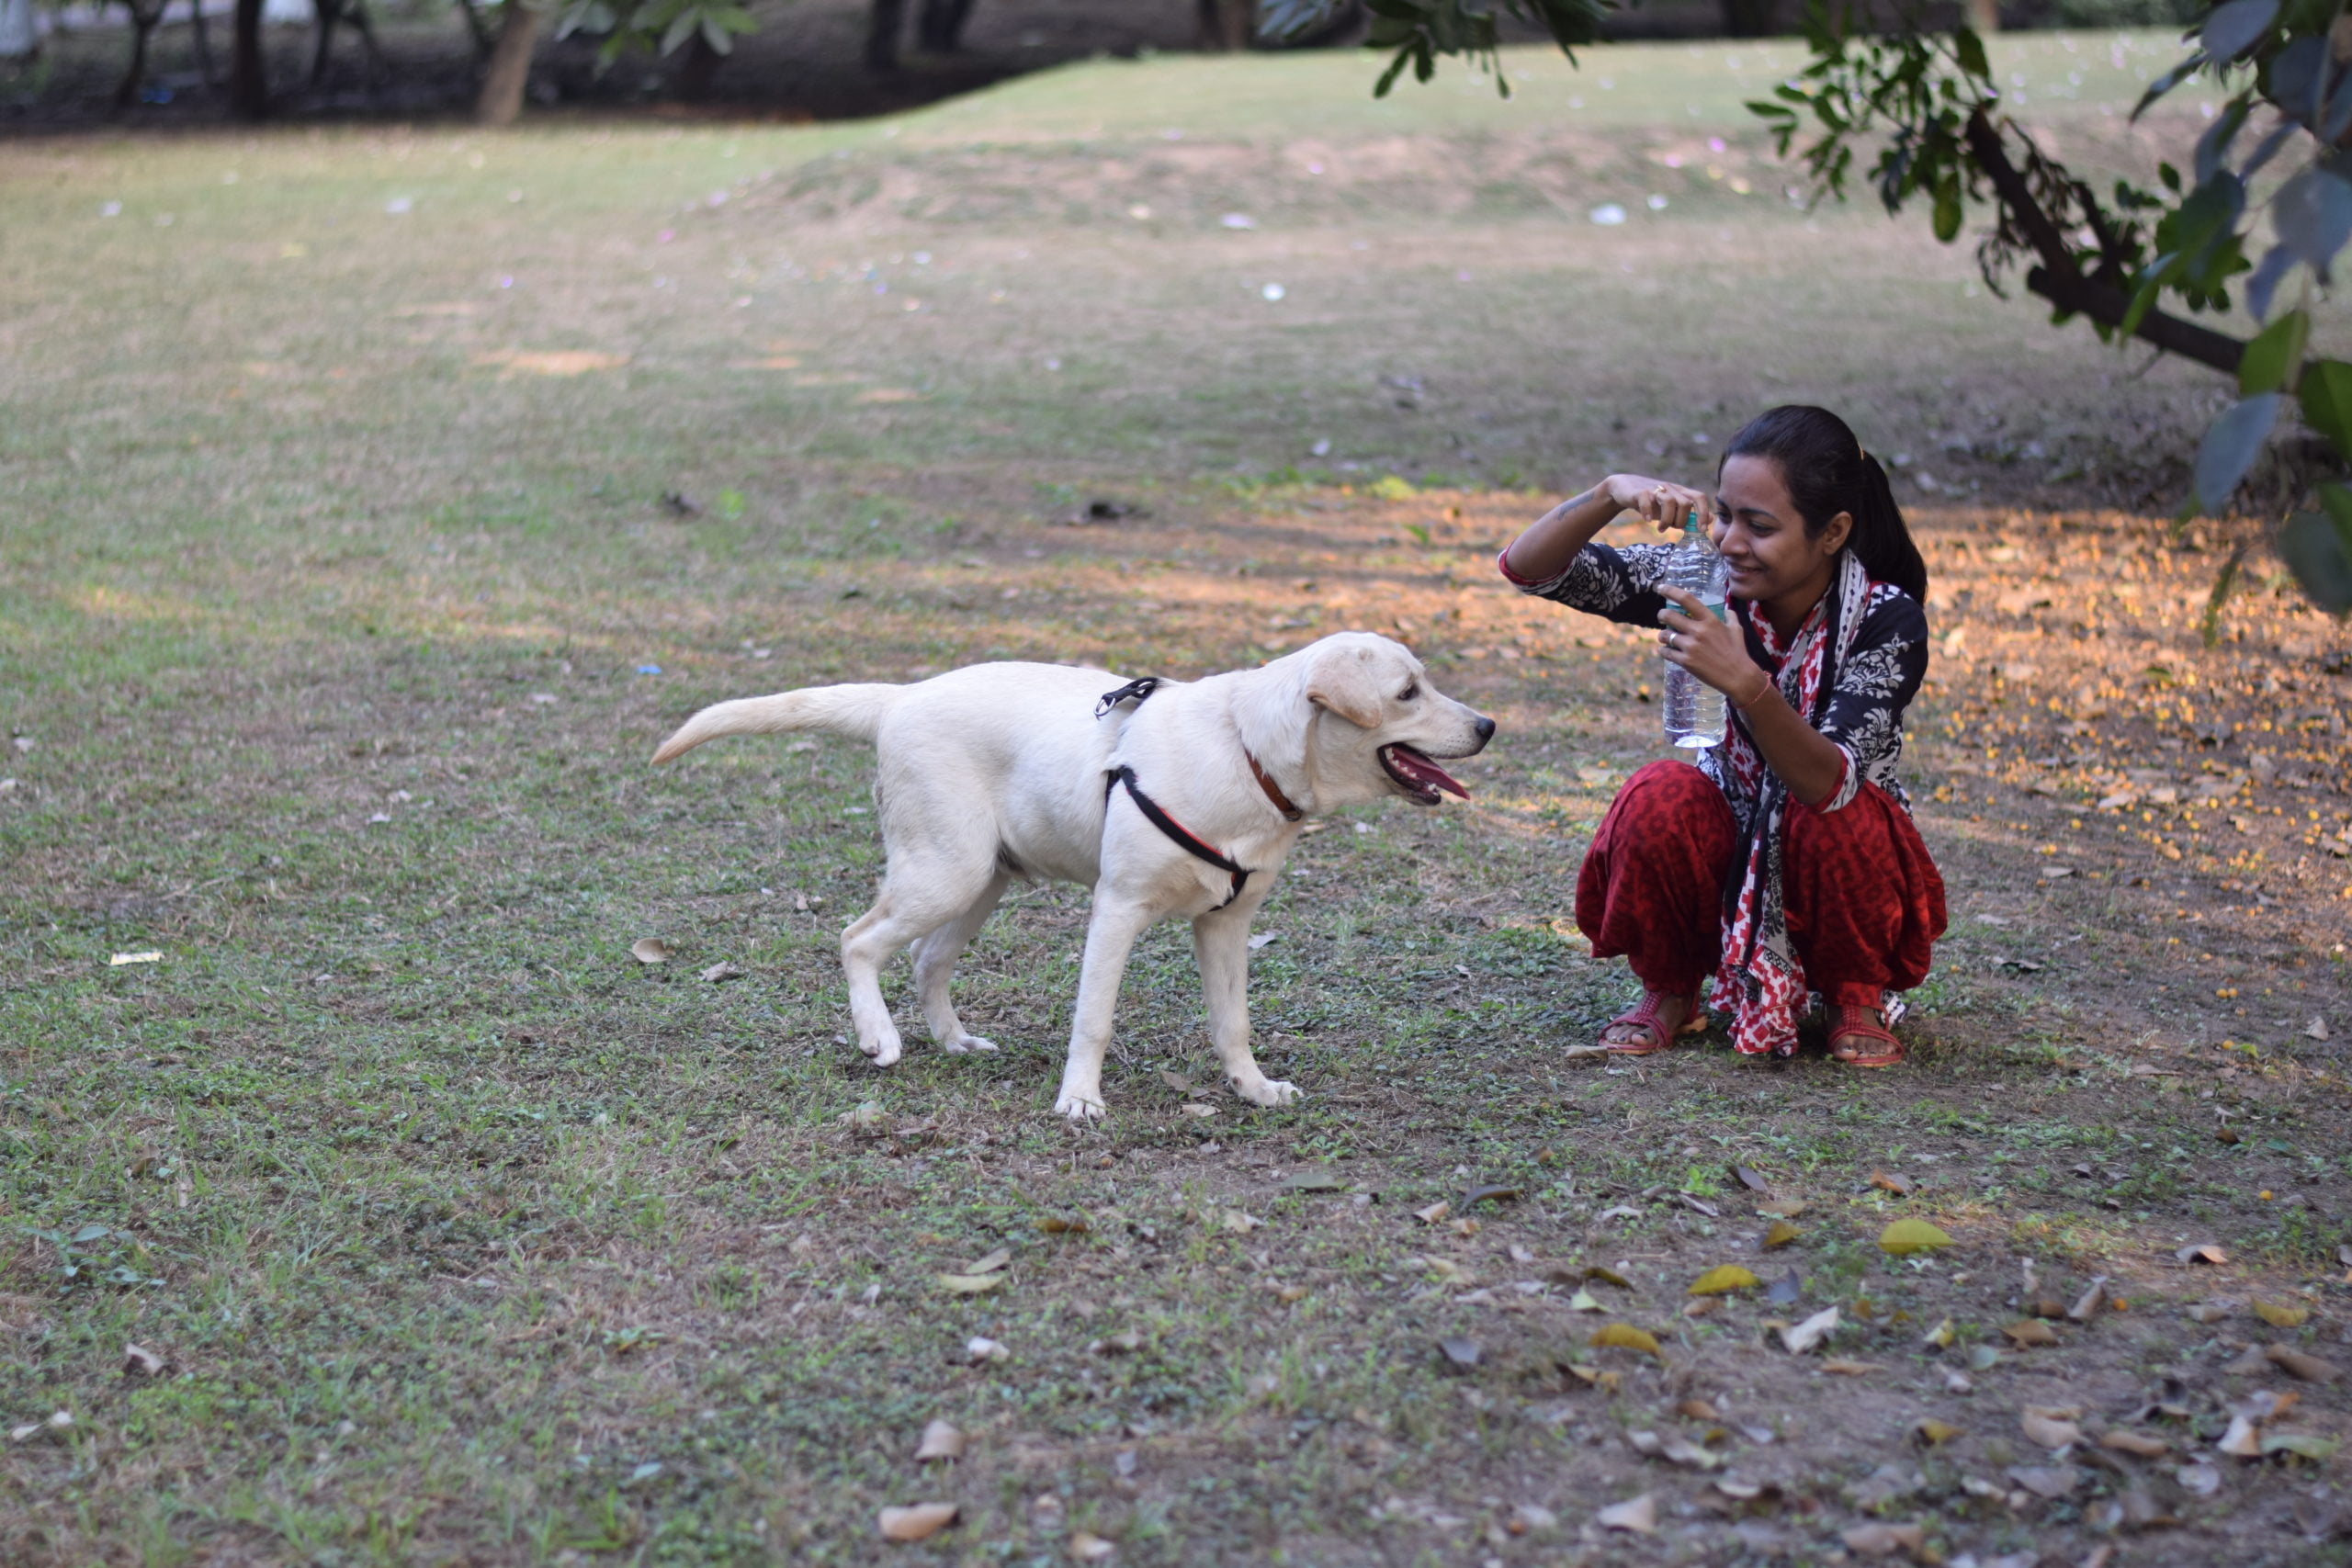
<point>1340,680</point>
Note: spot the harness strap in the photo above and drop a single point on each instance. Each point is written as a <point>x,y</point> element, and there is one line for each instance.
<point>1137,690</point>
<point>1176,831</point>
<point>1133,692</point>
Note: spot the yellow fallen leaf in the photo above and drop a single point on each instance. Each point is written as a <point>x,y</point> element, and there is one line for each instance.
<point>2135,1443</point>
<point>920,1522</point>
<point>1934,1432</point>
<point>1849,1369</point>
<point>1583,1300</point>
<point>1786,1207</point>
<point>2030,1331</point>
<point>2280,1317</point>
<point>1904,1237</point>
<point>1940,1335</point>
<point>1722,1279</point>
<point>1626,1337</point>
<point>1781,1234</point>
<point>969,1284</point>
<point>2051,1428</point>
<point>1433,1214</point>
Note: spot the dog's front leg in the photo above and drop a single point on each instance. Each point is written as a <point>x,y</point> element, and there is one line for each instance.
<point>1111,933</point>
<point>1221,947</point>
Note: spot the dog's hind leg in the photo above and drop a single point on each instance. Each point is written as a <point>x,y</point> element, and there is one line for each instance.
<point>1111,935</point>
<point>935,957</point>
<point>915,902</point>
<point>1221,947</point>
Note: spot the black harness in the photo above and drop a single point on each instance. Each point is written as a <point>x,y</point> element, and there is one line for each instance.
<point>1153,812</point>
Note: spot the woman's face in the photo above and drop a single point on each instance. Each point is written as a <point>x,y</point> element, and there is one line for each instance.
<point>1762,535</point>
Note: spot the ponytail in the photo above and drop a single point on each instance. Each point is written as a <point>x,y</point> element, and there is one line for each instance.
<point>1827,471</point>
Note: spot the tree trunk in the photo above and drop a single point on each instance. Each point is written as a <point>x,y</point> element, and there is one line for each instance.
<point>248,77</point>
<point>940,27</point>
<point>476,30</point>
<point>1227,25</point>
<point>882,27</point>
<point>510,65</point>
<point>697,71</point>
<point>1985,15</point>
<point>202,36</point>
<point>142,27</point>
<point>1751,19</point>
<point>328,13</point>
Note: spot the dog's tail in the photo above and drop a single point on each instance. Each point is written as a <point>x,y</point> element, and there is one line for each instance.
<point>856,711</point>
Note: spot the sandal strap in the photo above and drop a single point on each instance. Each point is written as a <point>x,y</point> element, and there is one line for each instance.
<point>1644,1015</point>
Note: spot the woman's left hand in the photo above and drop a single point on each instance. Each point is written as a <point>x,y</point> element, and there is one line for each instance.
<point>1712,649</point>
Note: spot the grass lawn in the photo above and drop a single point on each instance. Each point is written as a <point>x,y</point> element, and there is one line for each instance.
<point>376,499</point>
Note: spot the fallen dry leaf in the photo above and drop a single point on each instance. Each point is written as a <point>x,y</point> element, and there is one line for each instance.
<point>1703,1306</point>
<point>1904,1237</point>
<point>1804,1336</point>
<point>981,1349</point>
<point>969,1284</point>
<point>1884,1540</point>
<point>1607,1277</point>
<point>1235,1221</point>
<point>1786,1207</point>
<point>1941,1336</point>
<point>1584,1300</point>
<point>1723,1277</point>
<point>1195,1108</point>
<point>1849,1369</point>
<point>139,1361</point>
<point>1086,1547</point>
<point>1750,1180</point>
<point>1887,1182</point>
<point>1626,1337</point>
<point>2138,1443</point>
<point>1125,1343</point>
<point>2029,1331</point>
<point>920,1522</point>
<point>2051,1428</point>
<point>1606,1381</point>
<point>1781,1234</point>
<point>2278,1315</point>
<point>650,950</point>
<point>864,1117</point>
<point>2303,1445</point>
<point>2310,1369</point>
<point>2202,1252</point>
<point>722,970</point>
<point>1689,1455</point>
<point>1636,1515</point>
<point>1463,1353</point>
<point>939,1440</point>
<point>2089,1301</point>
<point>2051,1482</point>
<point>1064,1225</point>
<point>2198,1479</point>
<point>1433,1214</point>
<point>2241,1441</point>
<point>1697,1410</point>
<point>2210,1311</point>
<point>1934,1432</point>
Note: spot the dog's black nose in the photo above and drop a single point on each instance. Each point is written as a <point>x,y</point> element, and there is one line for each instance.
<point>1485,729</point>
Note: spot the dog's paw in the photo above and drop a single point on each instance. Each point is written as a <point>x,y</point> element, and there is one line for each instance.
<point>964,1042</point>
<point>1266,1091</point>
<point>1079,1107</point>
<point>885,1051</point>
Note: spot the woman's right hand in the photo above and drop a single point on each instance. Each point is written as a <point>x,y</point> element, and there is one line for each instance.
<point>1656,502</point>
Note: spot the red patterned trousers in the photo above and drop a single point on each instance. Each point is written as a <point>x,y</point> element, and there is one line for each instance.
<point>1863,899</point>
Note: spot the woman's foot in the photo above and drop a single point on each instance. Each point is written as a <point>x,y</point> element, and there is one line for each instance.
<point>1652,1024</point>
<point>1857,1039</point>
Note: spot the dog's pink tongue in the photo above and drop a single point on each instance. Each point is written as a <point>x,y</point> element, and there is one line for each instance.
<point>1420,770</point>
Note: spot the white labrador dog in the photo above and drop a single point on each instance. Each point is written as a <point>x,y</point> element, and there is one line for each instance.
<point>1166,797</point>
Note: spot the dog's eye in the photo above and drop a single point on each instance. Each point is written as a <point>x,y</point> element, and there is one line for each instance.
<point>1410,692</point>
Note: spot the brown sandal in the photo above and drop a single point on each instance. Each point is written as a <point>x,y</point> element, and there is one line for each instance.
<point>1857,1039</point>
<point>1643,1016</point>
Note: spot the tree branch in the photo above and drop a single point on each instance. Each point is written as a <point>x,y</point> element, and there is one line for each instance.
<point>2061,281</point>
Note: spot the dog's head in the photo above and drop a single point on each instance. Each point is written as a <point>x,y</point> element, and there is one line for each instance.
<point>1360,713</point>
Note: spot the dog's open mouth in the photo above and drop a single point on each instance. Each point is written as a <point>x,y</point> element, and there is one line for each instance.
<point>1417,776</point>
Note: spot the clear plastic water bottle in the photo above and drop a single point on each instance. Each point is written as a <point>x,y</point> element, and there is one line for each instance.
<point>1694,710</point>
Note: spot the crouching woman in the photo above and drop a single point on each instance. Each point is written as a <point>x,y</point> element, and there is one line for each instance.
<point>1785,865</point>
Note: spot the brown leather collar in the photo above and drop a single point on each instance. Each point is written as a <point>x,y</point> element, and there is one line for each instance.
<point>1273,791</point>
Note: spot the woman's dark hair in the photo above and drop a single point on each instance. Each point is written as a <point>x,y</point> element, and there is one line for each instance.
<point>1822,462</point>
